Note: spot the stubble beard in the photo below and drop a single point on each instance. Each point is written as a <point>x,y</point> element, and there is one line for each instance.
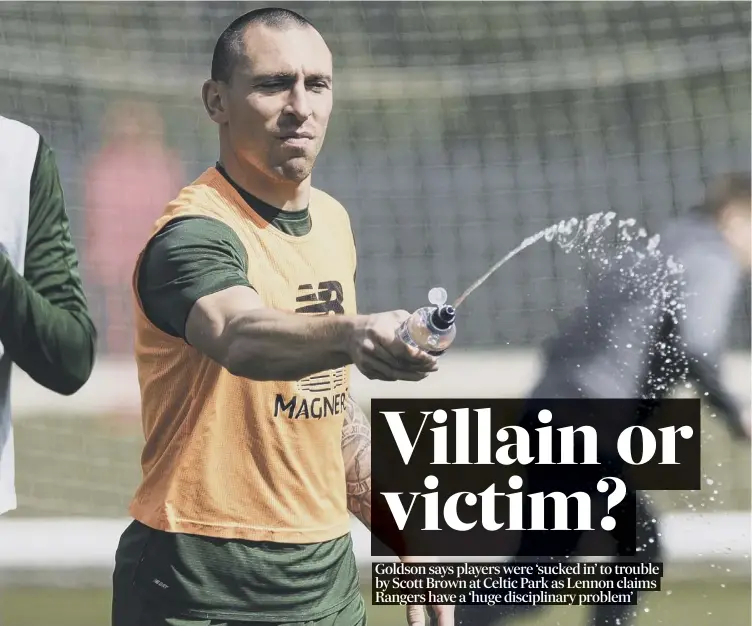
<point>295,170</point>
<point>296,167</point>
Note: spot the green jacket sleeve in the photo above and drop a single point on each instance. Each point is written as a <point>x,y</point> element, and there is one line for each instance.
<point>190,257</point>
<point>45,324</point>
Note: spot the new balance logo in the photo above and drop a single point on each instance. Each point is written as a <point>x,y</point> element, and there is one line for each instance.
<point>326,299</point>
<point>323,381</point>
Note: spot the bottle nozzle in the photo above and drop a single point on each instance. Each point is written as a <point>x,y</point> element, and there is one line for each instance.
<point>443,317</point>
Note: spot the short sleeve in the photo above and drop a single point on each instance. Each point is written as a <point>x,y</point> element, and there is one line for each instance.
<point>191,257</point>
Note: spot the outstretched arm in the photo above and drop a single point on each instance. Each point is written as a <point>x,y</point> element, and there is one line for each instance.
<point>193,283</point>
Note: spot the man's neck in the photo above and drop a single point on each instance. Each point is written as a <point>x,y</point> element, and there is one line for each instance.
<point>283,196</point>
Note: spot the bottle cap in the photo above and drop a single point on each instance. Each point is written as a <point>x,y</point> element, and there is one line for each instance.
<point>443,317</point>
<point>437,296</point>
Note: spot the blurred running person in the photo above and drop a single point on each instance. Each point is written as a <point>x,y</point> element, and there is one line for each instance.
<point>616,345</point>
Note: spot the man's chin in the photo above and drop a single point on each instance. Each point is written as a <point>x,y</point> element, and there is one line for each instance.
<point>294,170</point>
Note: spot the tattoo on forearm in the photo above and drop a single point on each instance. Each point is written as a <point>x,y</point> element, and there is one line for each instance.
<point>356,451</point>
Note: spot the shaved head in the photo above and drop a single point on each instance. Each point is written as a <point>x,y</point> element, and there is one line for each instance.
<point>230,46</point>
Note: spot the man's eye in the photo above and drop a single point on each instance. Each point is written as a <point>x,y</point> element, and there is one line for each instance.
<point>318,85</point>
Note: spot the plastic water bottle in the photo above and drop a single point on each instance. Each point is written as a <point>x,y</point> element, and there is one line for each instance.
<point>431,328</point>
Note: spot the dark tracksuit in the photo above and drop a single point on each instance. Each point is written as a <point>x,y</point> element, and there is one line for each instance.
<point>625,343</point>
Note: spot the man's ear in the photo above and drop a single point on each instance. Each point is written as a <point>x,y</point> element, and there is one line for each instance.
<point>214,96</point>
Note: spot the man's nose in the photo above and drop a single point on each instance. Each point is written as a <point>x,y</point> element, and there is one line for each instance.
<point>299,103</point>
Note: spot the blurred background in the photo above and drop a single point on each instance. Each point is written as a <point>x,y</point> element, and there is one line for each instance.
<point>459,129</point>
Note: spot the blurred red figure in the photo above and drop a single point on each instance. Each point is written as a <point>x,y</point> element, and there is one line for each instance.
<point>128,183</point>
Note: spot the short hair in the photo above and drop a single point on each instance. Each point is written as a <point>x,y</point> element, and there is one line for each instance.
<point>229,46</point>
<point>722,191</point>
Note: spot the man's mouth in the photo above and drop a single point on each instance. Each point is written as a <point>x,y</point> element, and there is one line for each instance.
<point>295,136</point>
<point>296,141</point>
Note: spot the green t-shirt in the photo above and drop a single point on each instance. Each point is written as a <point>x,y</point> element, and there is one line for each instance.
<point>45,323</point>
<point>219,579</point>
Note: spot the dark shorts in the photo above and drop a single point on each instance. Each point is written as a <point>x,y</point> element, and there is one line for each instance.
<point>131,607</point>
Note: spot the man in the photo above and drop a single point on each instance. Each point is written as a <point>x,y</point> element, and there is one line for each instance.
<point>245,327</point>
<point>45,325</point>
<point>629,342</point>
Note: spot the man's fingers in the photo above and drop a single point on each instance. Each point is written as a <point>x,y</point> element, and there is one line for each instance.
<point>378,351</point>
<point>416,615</point>
<point>375,368</point>
<point>443,615</point>
<point>387,358</point>
<point>438,615</point>
<point>420,358</point>
<point>380,361</point>
<point>400,365</point>
<point>410,357</point>
<point>407,364</point>
<point>376,364</point>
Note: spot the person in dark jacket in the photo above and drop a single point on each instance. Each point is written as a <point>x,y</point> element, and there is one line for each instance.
<point>628,342</point>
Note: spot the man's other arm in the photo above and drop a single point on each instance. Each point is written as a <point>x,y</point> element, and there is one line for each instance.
<point>45,324</point>
<point>356,451</point>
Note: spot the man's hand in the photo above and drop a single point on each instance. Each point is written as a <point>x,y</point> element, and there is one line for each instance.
<point>379,354</point>
<point>432,614</point>
<point>438,615</point>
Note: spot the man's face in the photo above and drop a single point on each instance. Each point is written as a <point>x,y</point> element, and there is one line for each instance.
<point>279,100</point>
